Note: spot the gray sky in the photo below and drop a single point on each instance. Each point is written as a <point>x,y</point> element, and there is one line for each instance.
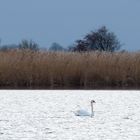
<point>64,21</point>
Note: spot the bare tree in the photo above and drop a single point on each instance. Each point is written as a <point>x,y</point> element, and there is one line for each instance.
<point>101,40</point>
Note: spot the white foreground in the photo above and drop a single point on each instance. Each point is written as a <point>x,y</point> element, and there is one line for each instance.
<point>49,115</point>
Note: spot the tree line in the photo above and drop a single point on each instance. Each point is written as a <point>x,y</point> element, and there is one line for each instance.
<point>99,40</point>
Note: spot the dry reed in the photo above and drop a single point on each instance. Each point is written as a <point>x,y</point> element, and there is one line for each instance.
<point>66,70</point>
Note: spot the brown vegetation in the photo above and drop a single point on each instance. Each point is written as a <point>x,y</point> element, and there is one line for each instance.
<point>66,70</point>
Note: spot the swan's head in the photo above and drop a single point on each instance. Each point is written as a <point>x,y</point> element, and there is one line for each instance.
<point>92,101</point>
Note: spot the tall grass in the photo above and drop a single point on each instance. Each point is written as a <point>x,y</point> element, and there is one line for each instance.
<point>28,69</point>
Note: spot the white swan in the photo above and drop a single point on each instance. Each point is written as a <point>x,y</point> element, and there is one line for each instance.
<point>84,112</point>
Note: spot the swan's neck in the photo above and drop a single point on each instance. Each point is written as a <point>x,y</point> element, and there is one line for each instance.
<point>92,110</point>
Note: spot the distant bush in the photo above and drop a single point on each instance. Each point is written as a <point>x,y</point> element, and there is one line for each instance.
<point>28,45</point>
<point>56,47</point>
<point>8,47</point>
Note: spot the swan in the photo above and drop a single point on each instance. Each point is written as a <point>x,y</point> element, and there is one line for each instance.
<point>84,112</point>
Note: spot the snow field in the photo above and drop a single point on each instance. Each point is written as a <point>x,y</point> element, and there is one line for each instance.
<point>49,115</point>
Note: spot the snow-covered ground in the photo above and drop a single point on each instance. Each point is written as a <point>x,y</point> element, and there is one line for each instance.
<point>49,115</point>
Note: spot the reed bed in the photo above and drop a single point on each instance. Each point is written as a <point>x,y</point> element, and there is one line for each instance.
<point>69,70</point>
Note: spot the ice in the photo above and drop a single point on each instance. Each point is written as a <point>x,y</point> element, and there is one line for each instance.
<point>49,115</point>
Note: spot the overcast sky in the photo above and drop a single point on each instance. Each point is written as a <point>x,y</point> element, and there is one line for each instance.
<point>64,21</point>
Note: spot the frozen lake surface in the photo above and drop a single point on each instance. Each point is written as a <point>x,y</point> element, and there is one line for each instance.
<point>49,115</point>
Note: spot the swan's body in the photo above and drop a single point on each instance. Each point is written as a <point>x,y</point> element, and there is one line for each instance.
<point>82,112</point>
